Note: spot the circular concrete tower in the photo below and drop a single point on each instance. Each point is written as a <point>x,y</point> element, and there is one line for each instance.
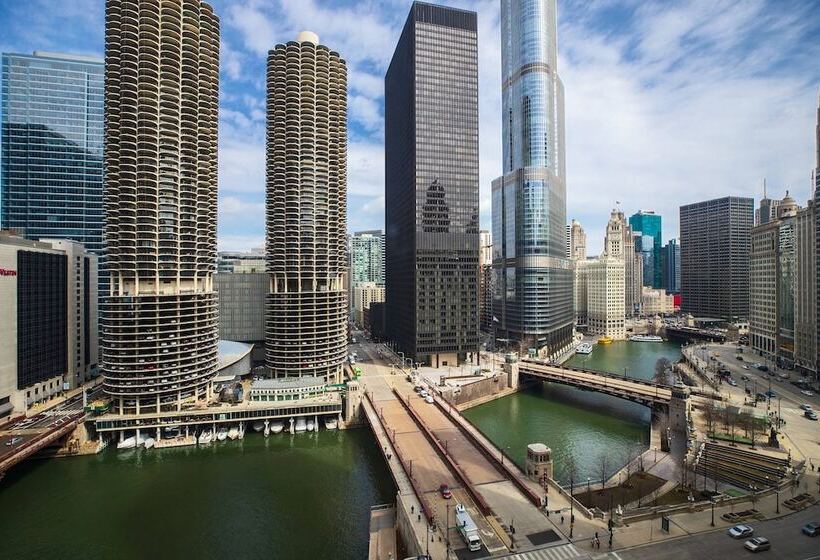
<point>306,187</point>
<point>159,322</point>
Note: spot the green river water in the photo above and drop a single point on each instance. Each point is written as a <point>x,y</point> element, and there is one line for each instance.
<point>573,422</point>
<point>286,497</point>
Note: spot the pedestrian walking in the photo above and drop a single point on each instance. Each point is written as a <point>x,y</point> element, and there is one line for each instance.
<point>412,509</point>
<point>562,520</point>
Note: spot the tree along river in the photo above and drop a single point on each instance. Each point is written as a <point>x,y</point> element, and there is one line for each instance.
<point>285,497</point>
<point>580,424</point>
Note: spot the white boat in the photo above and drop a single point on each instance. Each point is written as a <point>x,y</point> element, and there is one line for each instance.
<point>301,425</point>
<point>584,348</point>
<point>233,433</point>
<point>149,442</point>
<point>645,338</point>
<point>258,426</point>
<point>142,439</point>
<point>310,425</point>
<point>205,437</point>
<point>127,443</point>
<point>222,434</point>
<point>277,427</point>
<point>330,423</point>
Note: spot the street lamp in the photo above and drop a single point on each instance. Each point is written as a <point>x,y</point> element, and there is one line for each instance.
<point>713,510</point>
<point>589,494</point>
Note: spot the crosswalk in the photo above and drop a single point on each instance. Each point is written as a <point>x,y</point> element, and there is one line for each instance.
<point>562,552</point>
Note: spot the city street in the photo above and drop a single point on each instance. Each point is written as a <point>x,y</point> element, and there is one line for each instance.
<point>784,533</point>
<point>801,433</point>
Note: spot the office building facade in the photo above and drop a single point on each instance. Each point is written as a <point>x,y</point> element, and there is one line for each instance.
<point>649,225</point>
<point>431,179</point>
<point>773,283</point>
<point>51,147</point>
<point>715,240</point>
<point>605,297</point>
<point>670,267</point>
<point>160,318</point>
<point>805,304</point>
<point>533,277</point>
<point>485,281</point>
<point>242,298</point>
<point>241,262</point>
<point>577,241</point>
<point>306,194</point>
<point>367,257</point>
<point>48,307</point>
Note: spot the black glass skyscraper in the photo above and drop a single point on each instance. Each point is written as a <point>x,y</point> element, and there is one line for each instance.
<point>431,176</point>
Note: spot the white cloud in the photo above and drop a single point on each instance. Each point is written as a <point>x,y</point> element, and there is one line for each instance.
<point>365,168</point>
<point>230,60</point>
<point>367,112</point>
<point>239,242</point>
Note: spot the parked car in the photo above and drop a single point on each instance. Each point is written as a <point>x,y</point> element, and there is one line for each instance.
<point>739,358</point>
<point>428,399</point>
<point>731,382</point>
<point>445,491</point>
<point>745,366</point>
<point>763,368</point>
<point>807,393</point>
<point>423,394</point>
<point>810,414</point>
<point>812,529</point>
<point>771,394</point>
<point>757,544</point>
<point>740,531</point>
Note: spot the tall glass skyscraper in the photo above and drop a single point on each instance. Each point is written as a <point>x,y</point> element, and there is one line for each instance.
<point>51,151</point>
<point>649,225</point>
<point>533,278</point>
<point>367,257</point>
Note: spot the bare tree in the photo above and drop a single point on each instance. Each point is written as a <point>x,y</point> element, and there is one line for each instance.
<point>627,456</point>
<point>709,415</point>
<point>603,467</point>
<point>664,375</point>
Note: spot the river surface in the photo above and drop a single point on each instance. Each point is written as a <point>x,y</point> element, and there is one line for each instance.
<point>574,423</point>
<point>285,497</point>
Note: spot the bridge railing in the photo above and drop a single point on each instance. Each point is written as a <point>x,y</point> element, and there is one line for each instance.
<point>35,444</point>
<point>601,373</point>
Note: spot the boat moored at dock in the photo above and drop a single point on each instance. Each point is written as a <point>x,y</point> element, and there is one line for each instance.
<point>584,348</point>
<point>645,338</point>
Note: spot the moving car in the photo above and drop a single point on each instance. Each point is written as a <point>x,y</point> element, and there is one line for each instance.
<point>810,414</point>
<point>745,366</point>
<point>13,441</point>
<point>731,382</point>
<point>812,529</point>
<point>805,406</point>
<point>740,531</point>
<point>807,393</point>
<point>739,358</point>
<point>428,399</point>
<point>445,491</point>
<point>757,544</point>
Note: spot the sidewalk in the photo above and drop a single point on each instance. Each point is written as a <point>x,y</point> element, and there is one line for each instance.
<point>57,401</point>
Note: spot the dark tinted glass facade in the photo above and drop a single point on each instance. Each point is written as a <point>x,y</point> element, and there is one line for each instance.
<point>41,317</point>
<point>715,238</point>
<point>431,160</point>
<point>52,148</point>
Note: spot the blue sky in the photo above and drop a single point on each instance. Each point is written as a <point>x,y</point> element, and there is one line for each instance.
<point>666,102</point>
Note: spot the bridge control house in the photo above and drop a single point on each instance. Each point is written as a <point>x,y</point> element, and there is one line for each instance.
<point>48,320</point>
